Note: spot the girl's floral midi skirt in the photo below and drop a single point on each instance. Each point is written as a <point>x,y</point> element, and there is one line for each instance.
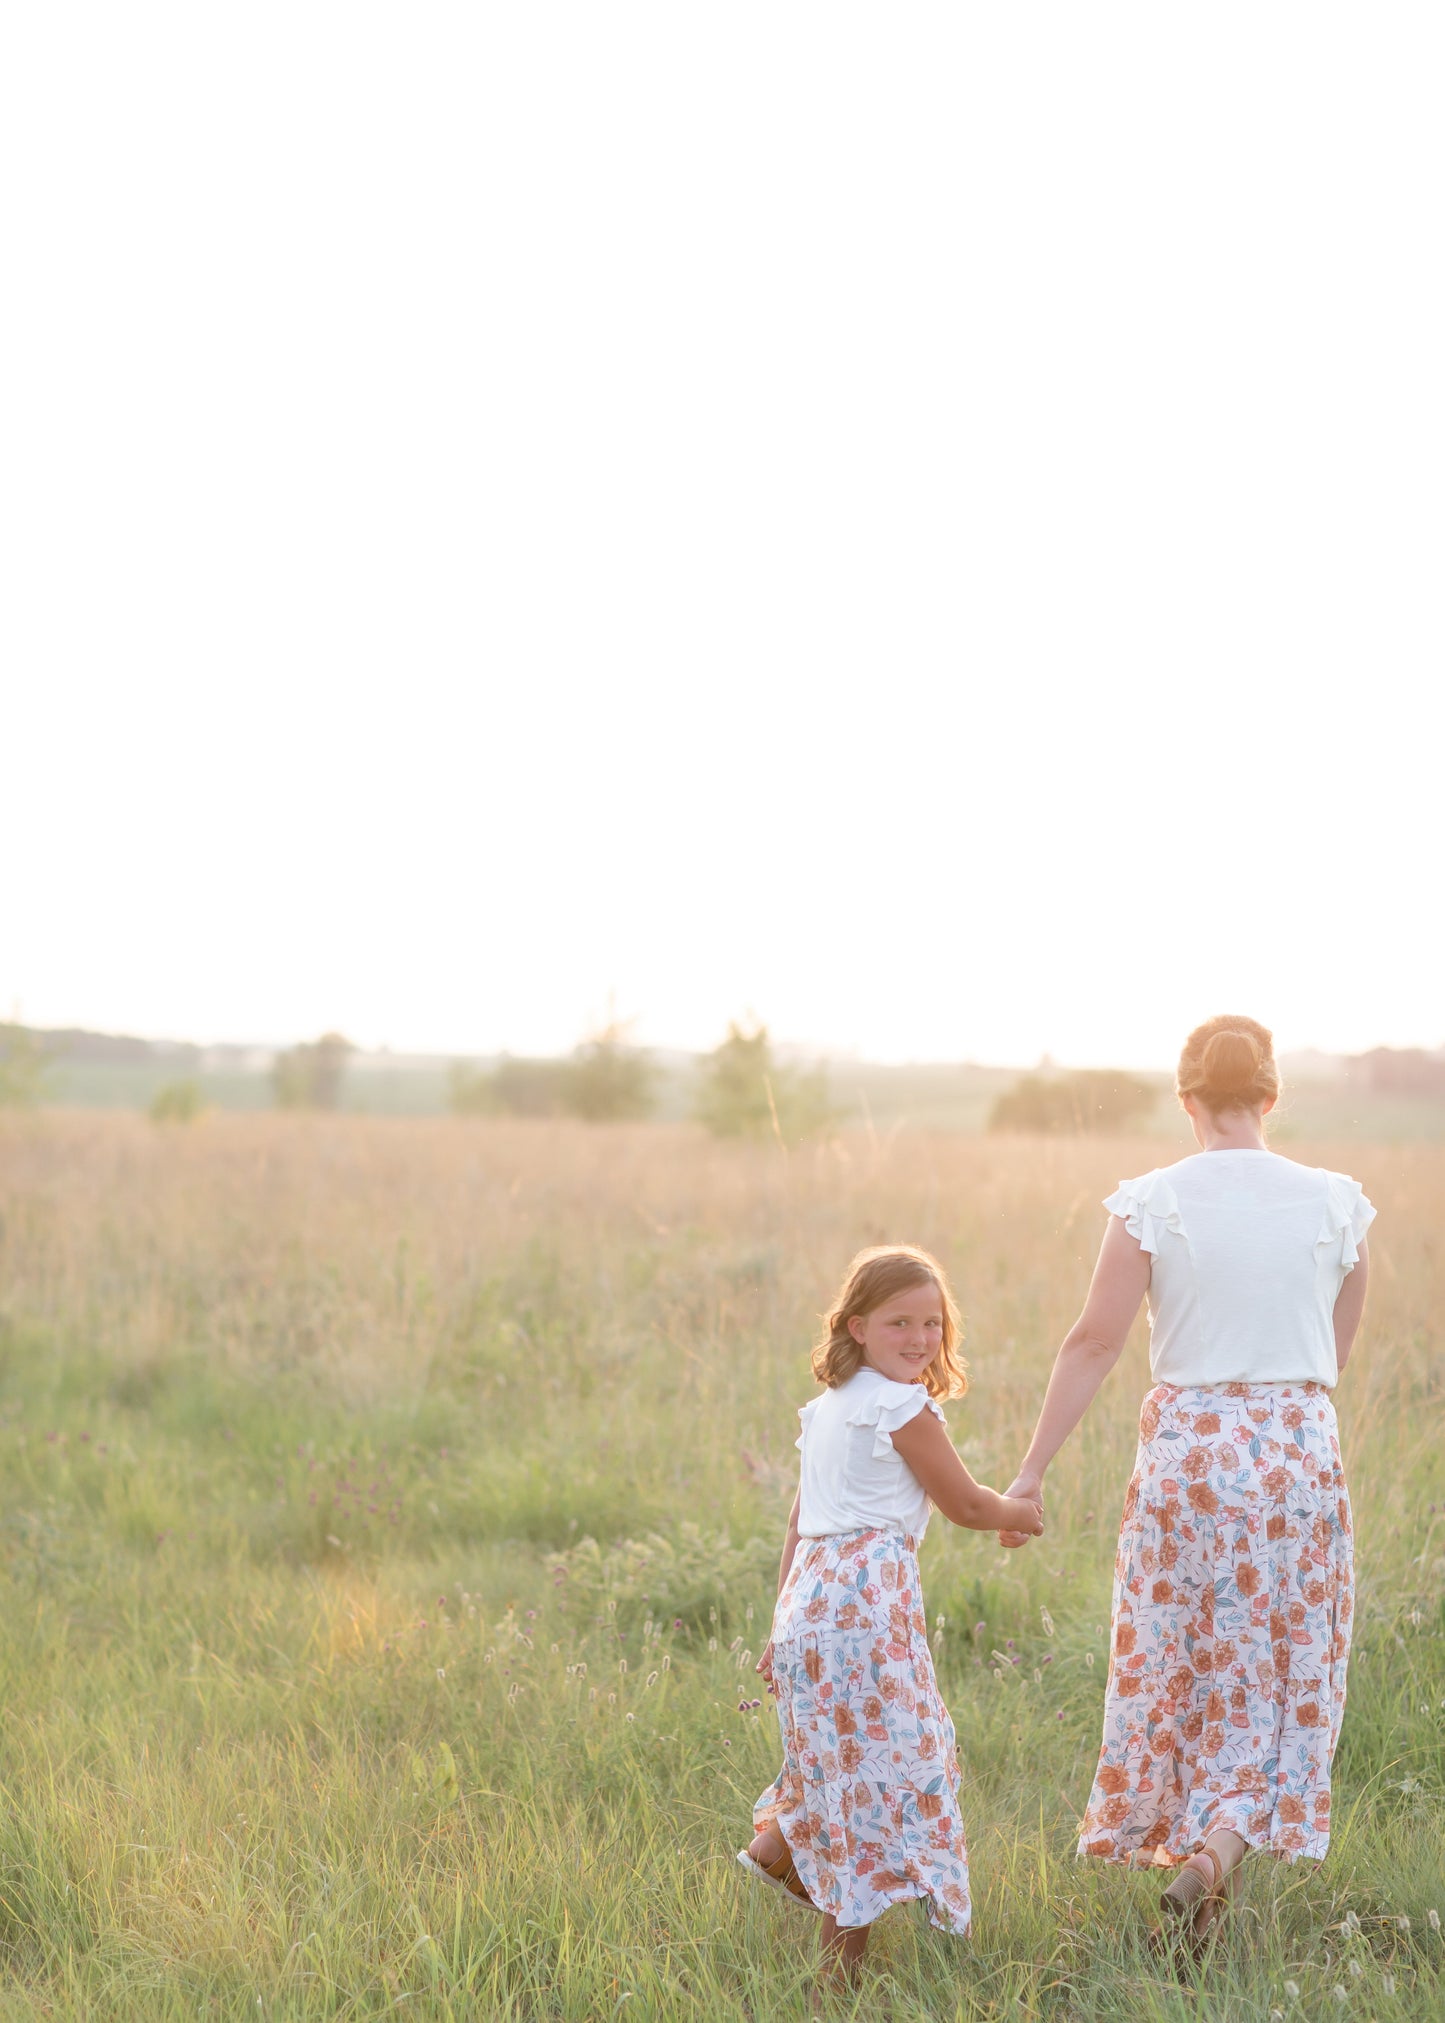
<point>1233,1594</point>
<point>867,1798</point>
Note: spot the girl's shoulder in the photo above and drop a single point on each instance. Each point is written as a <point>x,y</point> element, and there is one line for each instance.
<point>870,1399</point>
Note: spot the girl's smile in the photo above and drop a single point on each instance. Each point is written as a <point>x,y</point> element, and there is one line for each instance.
<point>902,1337</point>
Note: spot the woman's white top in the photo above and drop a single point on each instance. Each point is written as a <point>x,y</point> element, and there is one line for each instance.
<point>851,1478</point>
<point>1248,1252</point>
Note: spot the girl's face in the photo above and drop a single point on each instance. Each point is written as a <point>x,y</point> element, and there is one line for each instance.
<point>901,1338</point>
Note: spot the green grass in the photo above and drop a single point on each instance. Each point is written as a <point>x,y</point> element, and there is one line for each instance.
<point>414,1747</point>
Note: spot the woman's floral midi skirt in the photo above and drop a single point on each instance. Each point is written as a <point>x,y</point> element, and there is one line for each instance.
<point>867,1798</point>
<point>1233,1594</point>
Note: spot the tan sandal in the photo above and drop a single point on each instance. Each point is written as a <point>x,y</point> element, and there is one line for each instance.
<point>779,1874</point>
<point>1198,1902</point>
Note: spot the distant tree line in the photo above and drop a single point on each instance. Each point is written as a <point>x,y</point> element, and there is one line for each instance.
<point>1089,1099</point>
<point>743,1092</point>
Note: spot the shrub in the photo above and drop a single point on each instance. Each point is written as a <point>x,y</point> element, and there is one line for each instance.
<point>309,1077</point>
<point>514,1088</point>
<point>682,1575</point>
<point>745,1094</point>
<point>22,1064</point>
<point>177,1102</point>
<point>1091,1099</point>
<point>607,1079</point>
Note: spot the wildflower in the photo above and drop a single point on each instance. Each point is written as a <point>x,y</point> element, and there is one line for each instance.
<point>1352,1922</point>
<point>1059,1715</point>
<point>1048,1622</point>
<point>1404,1924</point>
<point>1433,1918</point>
<point>622,1664</point>
<point>712,1643</point>
<point>554,1648</point>
<point>726,1743</point>
<point>1339,1994</point>
<point>441,1671</point>
<point>677,1622</point>
<point>748,1613</point>
<point>667,1661</point>
<point>979,1628</point>
<point>1048,1657</point>
<point>1356,1970</point>
<point>1415,1618</point>
<point>651,1680</point>
<point>1387,1984</point>
<point>938,1622</point>
<point>441,1601</point>
<point>1009,1644</point>
<point>1291,1988</point>
<point>632,1717</point>
<point>1089,1659</point>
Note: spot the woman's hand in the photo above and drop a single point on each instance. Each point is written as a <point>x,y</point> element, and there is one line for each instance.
<point>765,1662</point>
<point>1030,1486</point>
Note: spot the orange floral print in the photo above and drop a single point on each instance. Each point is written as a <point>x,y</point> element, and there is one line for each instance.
<point>867,1798</point>
<point>1231,1633</point>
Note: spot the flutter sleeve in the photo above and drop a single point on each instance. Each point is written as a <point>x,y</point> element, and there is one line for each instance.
<point>1348,1214</point>
<point>803,1412</point>
<point>1147,1208</point>
<point>887,1406</point>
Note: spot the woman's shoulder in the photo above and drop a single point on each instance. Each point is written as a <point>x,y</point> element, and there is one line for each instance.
<point>1147,1205</point>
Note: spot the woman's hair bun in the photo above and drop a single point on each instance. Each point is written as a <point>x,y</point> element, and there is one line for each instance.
<point>1228,1064</point>
<point>1231,1062</point>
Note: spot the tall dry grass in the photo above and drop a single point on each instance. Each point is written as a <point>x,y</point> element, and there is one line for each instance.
<point>273,1388</point>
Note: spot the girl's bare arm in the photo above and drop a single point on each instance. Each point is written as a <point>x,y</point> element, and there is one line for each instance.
<point>790,1542</point>
<point>790,1546</point>
<point>926,1447</point>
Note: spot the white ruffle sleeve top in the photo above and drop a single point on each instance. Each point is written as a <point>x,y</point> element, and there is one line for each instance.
<point>851,1478</point>
<point>1247,1254</point>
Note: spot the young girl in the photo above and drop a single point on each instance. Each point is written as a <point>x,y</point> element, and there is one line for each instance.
<point>864,1813</point>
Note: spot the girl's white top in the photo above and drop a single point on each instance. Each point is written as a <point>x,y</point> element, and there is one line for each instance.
<point>851,1478</point>
<point>1247,1253</point>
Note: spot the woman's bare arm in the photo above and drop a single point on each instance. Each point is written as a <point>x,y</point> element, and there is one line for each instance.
<point>1089,1351</point>
<point>926,1447</point>
<point>1350,1305</point>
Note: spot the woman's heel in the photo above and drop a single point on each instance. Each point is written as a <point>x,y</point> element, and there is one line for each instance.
<point>1197,1901</point>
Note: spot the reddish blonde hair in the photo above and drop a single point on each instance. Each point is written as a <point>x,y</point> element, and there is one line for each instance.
<point>1228,1064</point>
<point>875,1277</point>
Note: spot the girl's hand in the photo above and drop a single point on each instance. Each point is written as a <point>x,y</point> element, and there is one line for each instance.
<point>765,1662</point>
<point>1030,1489</point>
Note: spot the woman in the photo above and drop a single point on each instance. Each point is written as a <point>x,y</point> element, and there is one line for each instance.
<point>1233,1585</point>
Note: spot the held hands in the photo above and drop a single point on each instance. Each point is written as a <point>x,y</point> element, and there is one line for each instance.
<point>1028,1489</point>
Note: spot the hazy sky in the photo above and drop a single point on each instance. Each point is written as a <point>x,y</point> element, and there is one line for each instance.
<point>922,523</point>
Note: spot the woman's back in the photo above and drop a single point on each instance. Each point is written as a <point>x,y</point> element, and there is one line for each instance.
<point>1248,1253</point>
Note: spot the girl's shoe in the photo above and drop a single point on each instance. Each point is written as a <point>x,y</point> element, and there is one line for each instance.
<point>781,1874</point>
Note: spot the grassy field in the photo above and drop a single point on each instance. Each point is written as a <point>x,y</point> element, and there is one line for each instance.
<point>390,1512</point>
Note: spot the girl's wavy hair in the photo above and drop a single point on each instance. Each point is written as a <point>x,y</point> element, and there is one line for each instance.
<point>875,1277</point>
